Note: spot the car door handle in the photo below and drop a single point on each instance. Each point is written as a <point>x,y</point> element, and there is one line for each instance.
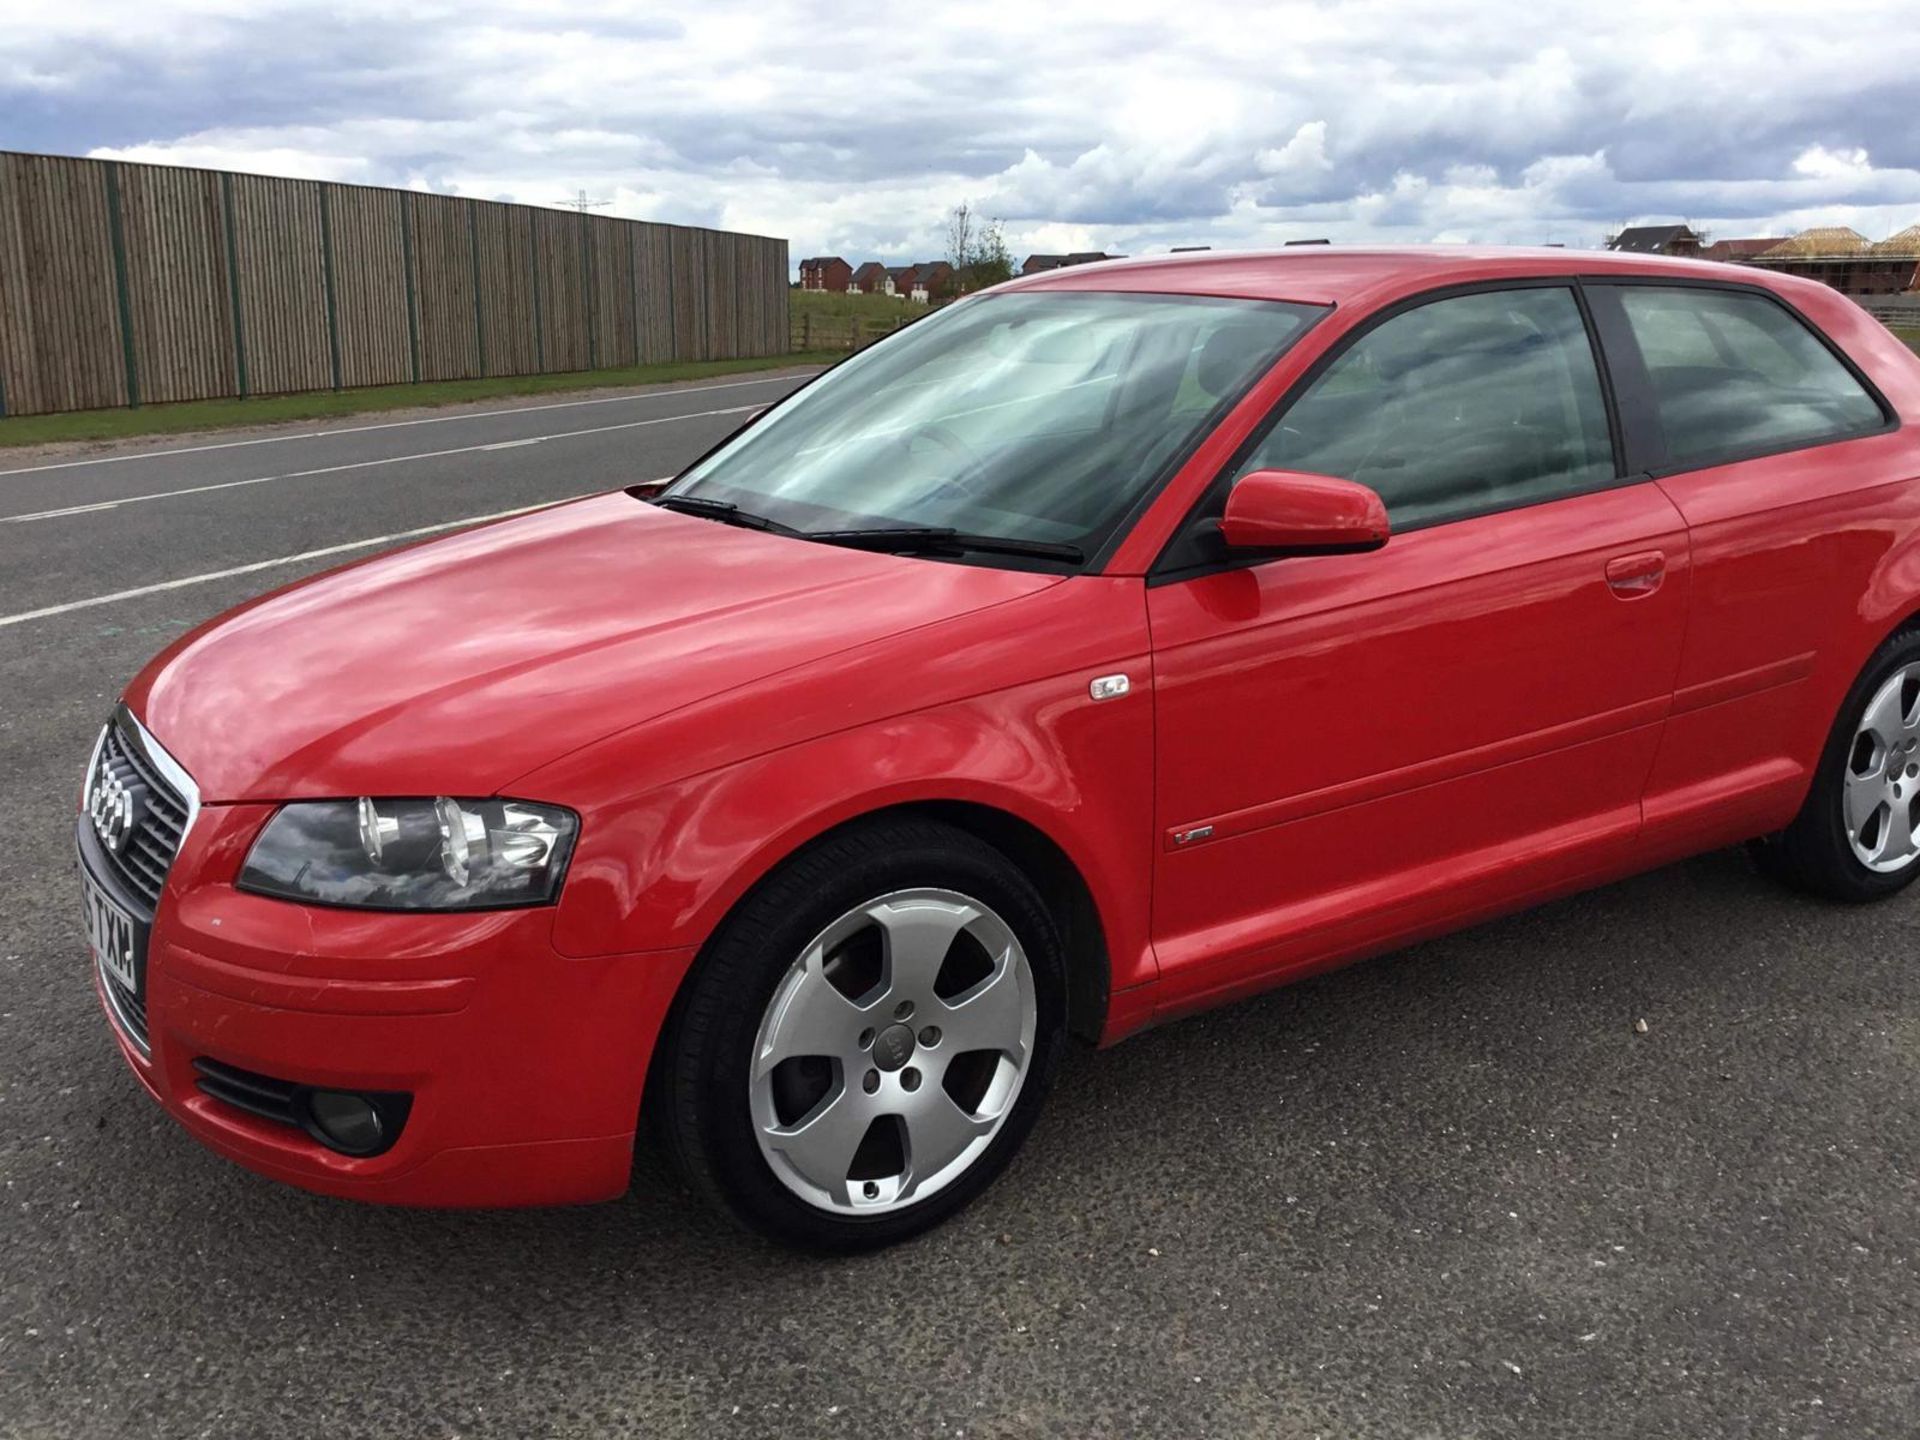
<point>1631,576</point>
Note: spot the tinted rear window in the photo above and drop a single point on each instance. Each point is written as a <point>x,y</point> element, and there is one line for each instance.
<point>1736,374</point>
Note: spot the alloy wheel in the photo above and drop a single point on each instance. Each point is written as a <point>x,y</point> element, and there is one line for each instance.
<point>892,1051</point>
<point>1883,775</point>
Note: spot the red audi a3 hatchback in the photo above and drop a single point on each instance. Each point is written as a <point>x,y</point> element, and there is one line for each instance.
<point>1105,646</point>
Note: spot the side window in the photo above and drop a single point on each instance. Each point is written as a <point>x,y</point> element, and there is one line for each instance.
<point>1736,374</point>
<point>1481,402</point>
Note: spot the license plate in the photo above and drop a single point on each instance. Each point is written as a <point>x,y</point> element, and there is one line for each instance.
<point>112,933</point>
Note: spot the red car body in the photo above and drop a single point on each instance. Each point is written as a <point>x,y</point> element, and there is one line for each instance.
<point>1555,696</point>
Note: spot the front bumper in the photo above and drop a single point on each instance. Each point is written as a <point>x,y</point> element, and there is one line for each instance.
<point>525,1067</point>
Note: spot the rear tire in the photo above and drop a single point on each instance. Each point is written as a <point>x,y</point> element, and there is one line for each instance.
<point>867,1038</point>
<point>1853,839</point>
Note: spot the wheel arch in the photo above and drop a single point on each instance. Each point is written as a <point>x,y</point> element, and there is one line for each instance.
<point>1068,898</point>
<point>1063,888</point>
<point>1889,606</point>
<point>1037,854</point>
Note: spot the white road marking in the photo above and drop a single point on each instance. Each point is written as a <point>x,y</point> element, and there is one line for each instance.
<point>303,556</point>
<point>399,424</point>
<point>100,505</point>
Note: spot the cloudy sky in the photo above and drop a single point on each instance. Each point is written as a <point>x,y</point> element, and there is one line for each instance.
<point>1112,125</point>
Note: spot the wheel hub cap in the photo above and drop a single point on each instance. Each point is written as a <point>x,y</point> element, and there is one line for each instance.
<point>893,1047</point>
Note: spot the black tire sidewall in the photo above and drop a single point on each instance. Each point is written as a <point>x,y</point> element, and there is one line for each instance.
<point>751,954</point>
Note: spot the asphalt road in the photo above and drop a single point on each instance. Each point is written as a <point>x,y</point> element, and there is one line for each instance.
<point>1453,1193</point>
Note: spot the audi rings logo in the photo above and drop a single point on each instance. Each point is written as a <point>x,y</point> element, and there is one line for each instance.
<point>115,806</point>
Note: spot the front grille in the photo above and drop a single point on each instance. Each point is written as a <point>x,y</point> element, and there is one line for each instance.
<point>142,863</point>
<point>262,1095</point>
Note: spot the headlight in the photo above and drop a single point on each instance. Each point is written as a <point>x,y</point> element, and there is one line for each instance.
<point>436,854</point>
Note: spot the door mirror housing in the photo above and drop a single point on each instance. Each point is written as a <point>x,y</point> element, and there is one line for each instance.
<point>1288,512</point>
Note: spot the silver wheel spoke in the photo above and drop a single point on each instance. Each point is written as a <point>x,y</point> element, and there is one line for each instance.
<point>1863,797</point>
<point>822,1146</point>
<point>809,1017</point>
<point>938,1133</point>
<point>919,935</point>
<point>989,1016</point>
<point>1884,717</point>
<point>1896,844</point>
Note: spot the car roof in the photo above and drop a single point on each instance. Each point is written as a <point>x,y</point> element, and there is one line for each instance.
<point>1337,275</point>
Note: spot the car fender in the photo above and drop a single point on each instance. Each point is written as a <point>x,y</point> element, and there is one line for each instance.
<point>764,770</point>
<point>666,868</point>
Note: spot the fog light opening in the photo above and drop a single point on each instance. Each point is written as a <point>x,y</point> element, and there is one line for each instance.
<point>351,1124</point>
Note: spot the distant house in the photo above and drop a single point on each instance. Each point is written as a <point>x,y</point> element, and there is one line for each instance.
<point>872,279</point>
<point>904,277</point>
<point>1901,257</point>
<point>1034,264</point>
<point>1848,261</point>
<point>825,272</point>
<point>932,280</point>
<point>1738,252</point>
<point>1658,240</point>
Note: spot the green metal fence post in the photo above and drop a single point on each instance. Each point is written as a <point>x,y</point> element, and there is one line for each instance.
<point>117,235</point>
<point>326,270</point>
<point>233,285</point>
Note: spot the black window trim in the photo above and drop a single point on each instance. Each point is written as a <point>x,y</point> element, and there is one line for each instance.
<point>1161,572</point>
<point>1645,435</point>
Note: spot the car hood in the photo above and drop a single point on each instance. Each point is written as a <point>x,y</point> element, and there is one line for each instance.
<point>456,665</point>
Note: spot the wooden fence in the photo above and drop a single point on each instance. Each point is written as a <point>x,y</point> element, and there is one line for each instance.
<point>846,332</point>
<point>1901,310</point>
<point>126,284</point>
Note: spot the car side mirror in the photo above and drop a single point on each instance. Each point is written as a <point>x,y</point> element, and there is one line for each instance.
<point>1287,512</point>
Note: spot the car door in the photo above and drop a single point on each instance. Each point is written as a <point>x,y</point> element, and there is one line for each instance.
<point>1782,460</point>
<point>1354,749</point>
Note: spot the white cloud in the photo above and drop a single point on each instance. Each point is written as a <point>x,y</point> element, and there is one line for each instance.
<point>212,153</point>
<point>1120,125</point>
<point>1817,162</point>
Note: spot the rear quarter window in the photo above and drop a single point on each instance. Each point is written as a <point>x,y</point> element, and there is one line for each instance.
<point>1737,375</point>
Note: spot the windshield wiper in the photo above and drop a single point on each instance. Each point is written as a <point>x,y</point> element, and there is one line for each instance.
<point>890,539</point>
<point>940,539</point>
<point>725,511</point>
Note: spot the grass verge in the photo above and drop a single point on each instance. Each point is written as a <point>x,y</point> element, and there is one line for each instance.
<point>328,404</point>
<point>831,305</point>
<point>1910,335</point>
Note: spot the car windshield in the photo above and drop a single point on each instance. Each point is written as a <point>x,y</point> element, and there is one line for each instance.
<point>1036,417</point>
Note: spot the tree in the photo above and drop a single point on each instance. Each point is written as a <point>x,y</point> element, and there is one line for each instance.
<point>976,249</point>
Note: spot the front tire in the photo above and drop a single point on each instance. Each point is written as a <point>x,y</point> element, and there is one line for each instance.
<point>1854,838</point>
<point>867,1039</point>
